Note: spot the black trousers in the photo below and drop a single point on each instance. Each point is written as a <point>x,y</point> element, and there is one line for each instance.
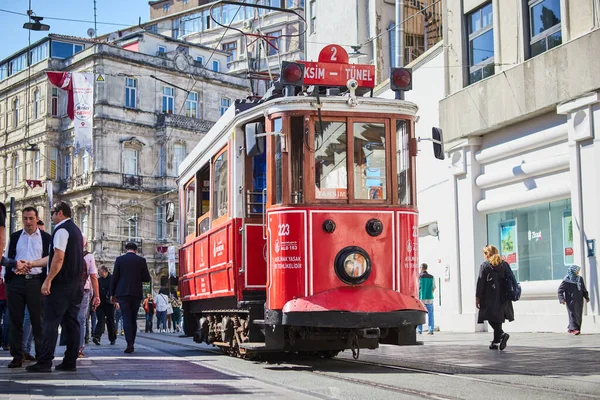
<point>497,327</point>
<point>62,305</point>
<point>106,315</point>
<point>129,309</point>
<point>19,293</point>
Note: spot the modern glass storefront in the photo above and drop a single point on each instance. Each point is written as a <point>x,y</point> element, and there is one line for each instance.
<point>536,241</point>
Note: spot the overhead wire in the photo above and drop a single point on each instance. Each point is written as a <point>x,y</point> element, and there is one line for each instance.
<point>196,81</point>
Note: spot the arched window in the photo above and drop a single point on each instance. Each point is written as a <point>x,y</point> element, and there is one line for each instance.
<point>83,222</point>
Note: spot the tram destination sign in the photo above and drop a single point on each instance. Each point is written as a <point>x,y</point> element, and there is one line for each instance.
<point>333,69</point>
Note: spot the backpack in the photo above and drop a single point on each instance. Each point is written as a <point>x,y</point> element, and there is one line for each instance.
<point>513,288</point>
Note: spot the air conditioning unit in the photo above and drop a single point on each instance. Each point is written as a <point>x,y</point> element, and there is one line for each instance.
<point>246,24</point>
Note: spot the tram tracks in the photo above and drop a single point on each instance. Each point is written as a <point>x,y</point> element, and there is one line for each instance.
<point>319,368</point>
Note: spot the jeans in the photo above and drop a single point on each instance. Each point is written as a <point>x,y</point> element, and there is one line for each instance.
<point>161,319</point>
<point>149,318</point>
<point>4,318</point>
<point>27,332</point>
<point>118,319</point>
<point>81,317</point>
<point>430,323</point>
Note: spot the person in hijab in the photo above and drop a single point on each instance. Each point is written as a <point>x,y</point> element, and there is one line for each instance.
<point>571,293</point>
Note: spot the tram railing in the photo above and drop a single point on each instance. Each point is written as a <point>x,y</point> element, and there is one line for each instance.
<point>255,203</point>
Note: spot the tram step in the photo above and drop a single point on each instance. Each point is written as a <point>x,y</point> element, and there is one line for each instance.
<point>254,346</point>
<point>258,322</point>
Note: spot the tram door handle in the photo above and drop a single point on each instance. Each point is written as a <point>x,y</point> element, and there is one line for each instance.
<point>264,212</point>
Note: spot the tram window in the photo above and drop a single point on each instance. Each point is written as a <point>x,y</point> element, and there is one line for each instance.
<point>331,171</point>
<point>259,183</point>
<point>278,165</point>
<point>403,162</point>
<point>220,186</point>
<point>204,200</point>
<point>297,157</point>
<point>190,209</point>
<point>369,161</point>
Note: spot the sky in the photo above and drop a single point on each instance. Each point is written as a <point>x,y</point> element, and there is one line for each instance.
<point>13,37</point>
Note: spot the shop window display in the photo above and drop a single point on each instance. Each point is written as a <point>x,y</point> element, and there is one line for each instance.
<point>536,241</point>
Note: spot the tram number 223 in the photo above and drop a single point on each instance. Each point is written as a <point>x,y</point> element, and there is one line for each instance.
<point>283,229</point>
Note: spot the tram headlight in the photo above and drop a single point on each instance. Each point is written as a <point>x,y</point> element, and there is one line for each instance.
<point>352,265</point>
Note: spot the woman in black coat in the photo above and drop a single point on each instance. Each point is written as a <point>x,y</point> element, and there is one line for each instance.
<point>491,296</point>
<point>571,293</point>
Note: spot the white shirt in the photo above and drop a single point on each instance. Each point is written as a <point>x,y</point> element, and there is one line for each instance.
<point>61,237</point>
<point>161,302</point>
<point>30,248</point>
<point>91,266</point>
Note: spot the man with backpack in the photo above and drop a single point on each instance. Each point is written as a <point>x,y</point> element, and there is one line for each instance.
<point>149,309</point>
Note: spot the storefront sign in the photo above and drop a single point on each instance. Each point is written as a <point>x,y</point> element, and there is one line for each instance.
<point>567,228</point>
<point>508,243</point>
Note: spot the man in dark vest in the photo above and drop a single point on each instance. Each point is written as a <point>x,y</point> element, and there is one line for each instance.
<point>126,288</point>
<point>105,312</point>
<point>24,285</point>
<point>63,289</point>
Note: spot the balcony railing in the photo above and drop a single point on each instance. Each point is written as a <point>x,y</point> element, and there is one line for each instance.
<point>132,180</point>
<point>422,27</point>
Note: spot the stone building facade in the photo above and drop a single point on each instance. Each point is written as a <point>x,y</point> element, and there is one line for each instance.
<point>150,110</point>
<point>238,35</point>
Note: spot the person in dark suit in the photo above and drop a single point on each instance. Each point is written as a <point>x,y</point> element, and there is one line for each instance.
<point>63,291</point>
<point>126,288</point>
<point>24,285</point>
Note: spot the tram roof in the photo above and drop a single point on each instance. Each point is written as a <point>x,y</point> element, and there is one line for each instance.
<point>217,136</point>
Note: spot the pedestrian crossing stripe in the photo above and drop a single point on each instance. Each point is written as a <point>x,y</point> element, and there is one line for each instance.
<point>100,78</point>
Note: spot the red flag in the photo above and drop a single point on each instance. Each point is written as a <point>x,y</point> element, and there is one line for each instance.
<point>33,183</point>
<point>63,80</point>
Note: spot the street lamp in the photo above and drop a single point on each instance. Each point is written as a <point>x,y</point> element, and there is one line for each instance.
<point>36,25</point>
<point>356,53</point>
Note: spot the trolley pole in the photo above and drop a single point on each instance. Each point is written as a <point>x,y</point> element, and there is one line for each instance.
<point>399,39</point>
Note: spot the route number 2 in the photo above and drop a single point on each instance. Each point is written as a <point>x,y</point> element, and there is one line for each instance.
<point>284,229</point>
<point>333,53</point>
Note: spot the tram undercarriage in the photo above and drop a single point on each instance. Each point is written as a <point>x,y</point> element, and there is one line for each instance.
<point>238,335</point>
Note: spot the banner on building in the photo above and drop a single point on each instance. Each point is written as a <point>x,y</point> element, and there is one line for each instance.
<point>171,258</point>
<point>80,104</point>
<point>49,190</point>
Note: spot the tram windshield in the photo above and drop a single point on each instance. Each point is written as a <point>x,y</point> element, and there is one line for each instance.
<point>353,160</point>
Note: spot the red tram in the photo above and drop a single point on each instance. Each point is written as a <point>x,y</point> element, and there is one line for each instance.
<point>299,218</point>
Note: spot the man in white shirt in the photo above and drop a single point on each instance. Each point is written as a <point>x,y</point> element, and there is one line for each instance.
<point>24,284</point>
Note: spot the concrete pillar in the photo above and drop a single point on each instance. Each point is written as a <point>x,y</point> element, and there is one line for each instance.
<point>470,233</point>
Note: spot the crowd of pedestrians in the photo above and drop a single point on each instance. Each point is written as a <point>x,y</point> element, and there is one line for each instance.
<point>50,285</point>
